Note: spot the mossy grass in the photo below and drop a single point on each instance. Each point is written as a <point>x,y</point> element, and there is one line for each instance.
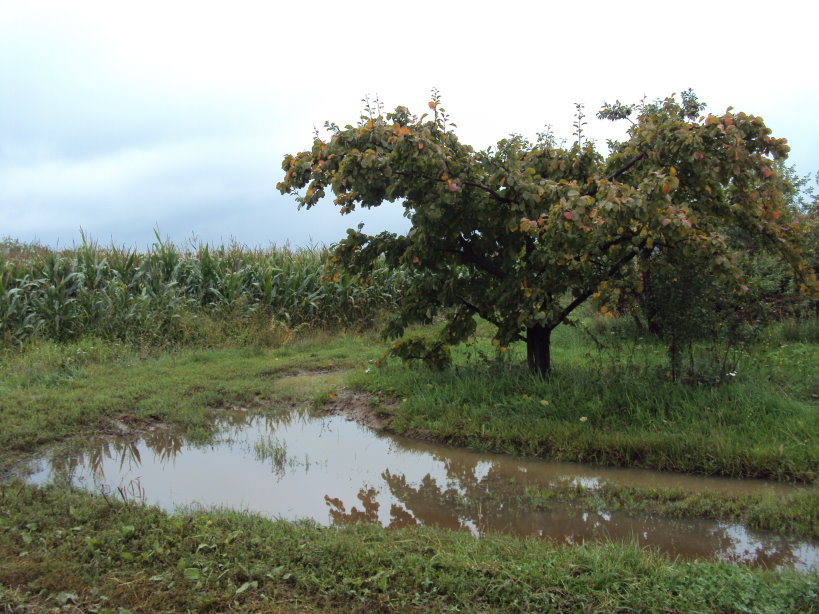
<point>61,547</point>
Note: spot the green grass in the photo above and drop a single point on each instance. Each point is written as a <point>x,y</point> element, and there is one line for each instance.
<point>612,405</point>
<point>796,513</point>
<point>59,546</point>
<point>53,391</point>
<point>618,409</point>
<point>611,410</point>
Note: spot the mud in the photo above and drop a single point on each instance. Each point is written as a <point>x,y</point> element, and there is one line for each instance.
<point>359,407</point>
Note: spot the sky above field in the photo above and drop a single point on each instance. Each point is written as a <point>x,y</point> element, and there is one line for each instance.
<point>119,119</point>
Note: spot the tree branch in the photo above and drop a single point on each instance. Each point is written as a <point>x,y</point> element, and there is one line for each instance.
<point>468,255</point>
<point>624,238</point>
<point>488,190</point>
<point>474,184</point>
<point>627,166</point>
<point>491,320</point>
<point>580,299</point>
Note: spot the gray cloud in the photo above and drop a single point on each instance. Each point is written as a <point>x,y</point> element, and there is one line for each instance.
<point>214,190</point>
<point>121,119</point>
<point>87,145</point>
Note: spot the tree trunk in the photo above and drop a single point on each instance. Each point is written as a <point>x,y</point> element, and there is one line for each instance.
<point>537,350</point>
<point>646,298</point>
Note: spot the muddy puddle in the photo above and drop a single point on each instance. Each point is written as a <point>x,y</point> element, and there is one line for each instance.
<point>335,471</point>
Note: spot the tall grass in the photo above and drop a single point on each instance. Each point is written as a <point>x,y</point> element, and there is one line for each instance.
<point>611,402</point>
<point>171,295</point>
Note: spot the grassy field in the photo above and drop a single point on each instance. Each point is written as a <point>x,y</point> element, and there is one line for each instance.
<point>200,331</point>
<point>53,391</point>
<point>64,548</point>
<point>762,424</point>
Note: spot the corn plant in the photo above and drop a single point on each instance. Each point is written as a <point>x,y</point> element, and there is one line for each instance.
<point>159,295</point>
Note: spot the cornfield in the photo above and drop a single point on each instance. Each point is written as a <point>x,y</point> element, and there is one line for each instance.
<point>169,295</point>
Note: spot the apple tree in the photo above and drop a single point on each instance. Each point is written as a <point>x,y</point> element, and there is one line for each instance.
<point>524,233</point>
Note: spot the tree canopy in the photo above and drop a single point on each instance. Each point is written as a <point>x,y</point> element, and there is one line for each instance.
<point>523,233</point>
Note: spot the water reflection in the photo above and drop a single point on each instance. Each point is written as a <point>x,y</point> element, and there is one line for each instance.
<point>126,453</point>
<point>477,506</point>
<point>338,472</point>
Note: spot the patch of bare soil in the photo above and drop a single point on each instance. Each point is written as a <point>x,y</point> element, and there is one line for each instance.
<point>359,407</point>
<point>370,411</point>
<point>289,371</point>
<point>423,435</point>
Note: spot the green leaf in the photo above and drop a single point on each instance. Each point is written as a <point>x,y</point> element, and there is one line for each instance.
<point>193,573</point>
<point>246,586</point>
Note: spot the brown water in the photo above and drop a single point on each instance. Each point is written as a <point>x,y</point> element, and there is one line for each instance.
<point>335,471</point>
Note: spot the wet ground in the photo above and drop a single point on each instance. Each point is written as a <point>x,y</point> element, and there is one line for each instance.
<point>336,471</point>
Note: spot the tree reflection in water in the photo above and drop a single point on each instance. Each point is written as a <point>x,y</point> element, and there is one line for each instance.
<point>423,484</point>
<point>165,443</point>
<point>488,504</point>
<point>340,515</point>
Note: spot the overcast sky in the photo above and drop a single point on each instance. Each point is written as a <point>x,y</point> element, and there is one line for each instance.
<point>120,118</point>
